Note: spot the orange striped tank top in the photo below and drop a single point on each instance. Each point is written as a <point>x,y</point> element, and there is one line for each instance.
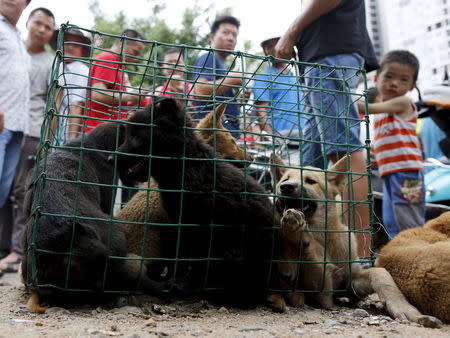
<point>396,144</point>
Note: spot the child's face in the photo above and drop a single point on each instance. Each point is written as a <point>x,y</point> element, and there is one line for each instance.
<point>172,62</point>
<point>396,79</point>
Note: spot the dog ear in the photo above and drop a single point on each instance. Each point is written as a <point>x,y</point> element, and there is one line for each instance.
<point>168,108</point>
<point>276,169</point>
<point>219,112</point>
<point>338,174</point>
<point>208,121</point>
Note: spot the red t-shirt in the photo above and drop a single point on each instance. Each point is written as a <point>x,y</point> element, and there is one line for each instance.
<point>106,68</point>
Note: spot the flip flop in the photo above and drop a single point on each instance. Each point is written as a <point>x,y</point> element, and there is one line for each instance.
<point>11,267</point>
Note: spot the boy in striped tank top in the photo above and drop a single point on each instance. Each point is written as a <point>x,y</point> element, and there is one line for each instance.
<point>397,147</point>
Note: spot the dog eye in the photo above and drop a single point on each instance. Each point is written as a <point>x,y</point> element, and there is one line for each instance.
<point>310,181</point>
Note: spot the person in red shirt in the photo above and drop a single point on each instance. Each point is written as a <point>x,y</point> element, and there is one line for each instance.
<point>109,82</point>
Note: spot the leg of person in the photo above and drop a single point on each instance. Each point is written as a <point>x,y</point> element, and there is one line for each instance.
<point>5,208</point>
<point>339,128</point>
<point>389,221</point>
<point>311,150</point>
<point>358,217</point>
<point>26,162</point>
<point>11,158</point>
<point>409,202</point>
<point>6,218</point>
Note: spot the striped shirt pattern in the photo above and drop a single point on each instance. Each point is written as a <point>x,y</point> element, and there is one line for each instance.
<point>397,146</point>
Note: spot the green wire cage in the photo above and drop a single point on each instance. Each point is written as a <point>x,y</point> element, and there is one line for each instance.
<point>255,132</point>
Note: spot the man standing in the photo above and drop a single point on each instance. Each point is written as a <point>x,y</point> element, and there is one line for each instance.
<point>40,25</point>
<point>333,33</point>
<point>213,82</point>
<point>109,82</point>
<point>74,80</point>
<point>14,94</point>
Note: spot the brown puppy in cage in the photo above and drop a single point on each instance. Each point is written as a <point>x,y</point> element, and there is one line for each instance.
<point>146,206</point>
<point>223,219</point>
<point>308,196</point>
<point>71,242</point>
<point>418,260</point>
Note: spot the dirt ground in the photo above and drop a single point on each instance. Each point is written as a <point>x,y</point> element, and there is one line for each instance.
<point>140,316</point>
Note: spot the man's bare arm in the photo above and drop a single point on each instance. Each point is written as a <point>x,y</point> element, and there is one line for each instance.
<point>205,88</point>
<point>101,93</point>
<point>262,108</point>
<point>75,113</point>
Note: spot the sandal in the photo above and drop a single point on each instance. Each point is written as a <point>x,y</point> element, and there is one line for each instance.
<point>11,267</point>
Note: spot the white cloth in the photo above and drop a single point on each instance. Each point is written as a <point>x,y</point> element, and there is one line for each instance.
<point>15,65</point>
<point>41,67</point>
<point>74,77</point>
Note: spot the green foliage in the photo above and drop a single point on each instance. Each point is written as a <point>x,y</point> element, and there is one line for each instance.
<point>192,31</point>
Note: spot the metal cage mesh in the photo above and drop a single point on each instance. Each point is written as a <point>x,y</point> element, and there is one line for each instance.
<point>145,76</point>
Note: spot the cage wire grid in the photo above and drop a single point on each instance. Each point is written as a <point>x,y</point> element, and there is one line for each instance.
<point>144,77</point>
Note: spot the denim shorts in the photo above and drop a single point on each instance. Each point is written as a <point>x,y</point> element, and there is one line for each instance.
<point>332,122</point>
<point>403,201</point>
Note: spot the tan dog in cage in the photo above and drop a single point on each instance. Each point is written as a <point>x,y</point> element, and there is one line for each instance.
<point>209,129</point>
<point>418,260</point>
<point>305,198</point>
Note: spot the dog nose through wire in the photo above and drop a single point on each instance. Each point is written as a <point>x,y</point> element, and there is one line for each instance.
<point>288,188</point>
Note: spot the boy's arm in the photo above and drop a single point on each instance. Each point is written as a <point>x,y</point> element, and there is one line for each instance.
<point>399,105</point>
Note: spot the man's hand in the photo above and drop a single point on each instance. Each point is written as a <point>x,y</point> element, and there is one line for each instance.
<point>284,49</point>
<point>2,120</point>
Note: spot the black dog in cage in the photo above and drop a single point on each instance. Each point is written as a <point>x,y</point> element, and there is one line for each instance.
<point>71,242</point>
<point>224,223</point>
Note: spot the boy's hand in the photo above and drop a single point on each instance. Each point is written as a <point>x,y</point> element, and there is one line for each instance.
<point>361,105</point>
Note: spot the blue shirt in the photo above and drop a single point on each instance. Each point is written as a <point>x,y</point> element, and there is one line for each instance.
<point>211,67</point>
<point>282,92</point>
<point>431,134</point>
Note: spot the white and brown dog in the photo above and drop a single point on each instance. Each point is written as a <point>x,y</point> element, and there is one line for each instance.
<point>318,252</point>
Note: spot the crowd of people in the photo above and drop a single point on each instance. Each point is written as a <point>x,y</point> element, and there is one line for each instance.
<point>330,33</point>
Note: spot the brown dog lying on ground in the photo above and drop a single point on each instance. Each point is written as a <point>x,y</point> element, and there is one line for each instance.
<point>145,206</point>
<point>418,260</point>
<point>307,197</point>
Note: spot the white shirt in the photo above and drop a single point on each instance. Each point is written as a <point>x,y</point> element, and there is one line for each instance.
<point>15,66</point>
<point>74,78</point>
<point>39,81</point>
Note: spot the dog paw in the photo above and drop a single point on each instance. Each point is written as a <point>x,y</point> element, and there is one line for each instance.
<point>296,299</point>
<point>293,220</point>
<point>276,302</point>
<point>429,321</point>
